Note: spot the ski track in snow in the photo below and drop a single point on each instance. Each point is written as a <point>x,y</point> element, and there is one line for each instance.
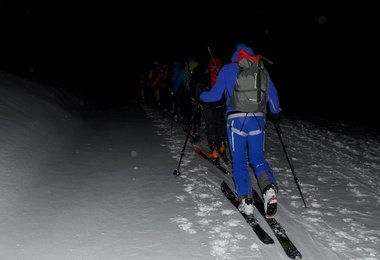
<point>346,230</point>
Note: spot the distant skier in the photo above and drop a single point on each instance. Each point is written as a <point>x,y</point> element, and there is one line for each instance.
<point>215,116</point>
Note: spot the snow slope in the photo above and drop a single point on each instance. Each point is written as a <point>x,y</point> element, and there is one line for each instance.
<point>100,186</point>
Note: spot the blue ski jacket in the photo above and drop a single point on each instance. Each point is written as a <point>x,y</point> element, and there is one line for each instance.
<point>226,82</point>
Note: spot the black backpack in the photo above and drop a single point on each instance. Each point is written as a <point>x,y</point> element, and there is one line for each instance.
<point>250,91</point>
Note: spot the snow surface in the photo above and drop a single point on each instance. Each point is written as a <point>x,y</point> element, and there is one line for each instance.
<point>77,183</point>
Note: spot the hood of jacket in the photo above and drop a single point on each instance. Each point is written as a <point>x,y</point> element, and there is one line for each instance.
<point>249,50</point>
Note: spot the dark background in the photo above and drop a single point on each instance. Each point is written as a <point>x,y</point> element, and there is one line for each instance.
<point>325,56</point>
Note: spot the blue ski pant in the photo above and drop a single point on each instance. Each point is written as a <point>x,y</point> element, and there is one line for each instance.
<point>246,138</point>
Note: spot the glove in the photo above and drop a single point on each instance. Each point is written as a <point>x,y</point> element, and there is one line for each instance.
<point>274,118</point>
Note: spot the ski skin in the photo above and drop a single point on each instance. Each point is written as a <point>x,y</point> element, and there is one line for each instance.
<point>280,233</point>
<point>217,165</point>
<point>251,220</point>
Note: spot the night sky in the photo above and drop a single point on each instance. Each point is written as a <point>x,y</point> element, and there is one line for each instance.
<point>325,56</point>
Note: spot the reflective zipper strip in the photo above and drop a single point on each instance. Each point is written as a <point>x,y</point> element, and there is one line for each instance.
<point>232,135</point>
<point>263,141</point>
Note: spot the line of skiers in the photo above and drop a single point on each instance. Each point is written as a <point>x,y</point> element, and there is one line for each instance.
<point>205,88</point>
<point>176,89</point>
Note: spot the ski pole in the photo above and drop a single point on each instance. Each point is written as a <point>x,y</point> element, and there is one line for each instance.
<point>278,130</point>
<point>176,172</point>
<point>265,58</point>
<point>171,128</point>
<point>217,70</point>
<point>213,60</point>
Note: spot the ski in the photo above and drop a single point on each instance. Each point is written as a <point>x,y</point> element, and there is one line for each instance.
<point>217,165</point>
<point>251,220</point>
<point>280,233</point>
